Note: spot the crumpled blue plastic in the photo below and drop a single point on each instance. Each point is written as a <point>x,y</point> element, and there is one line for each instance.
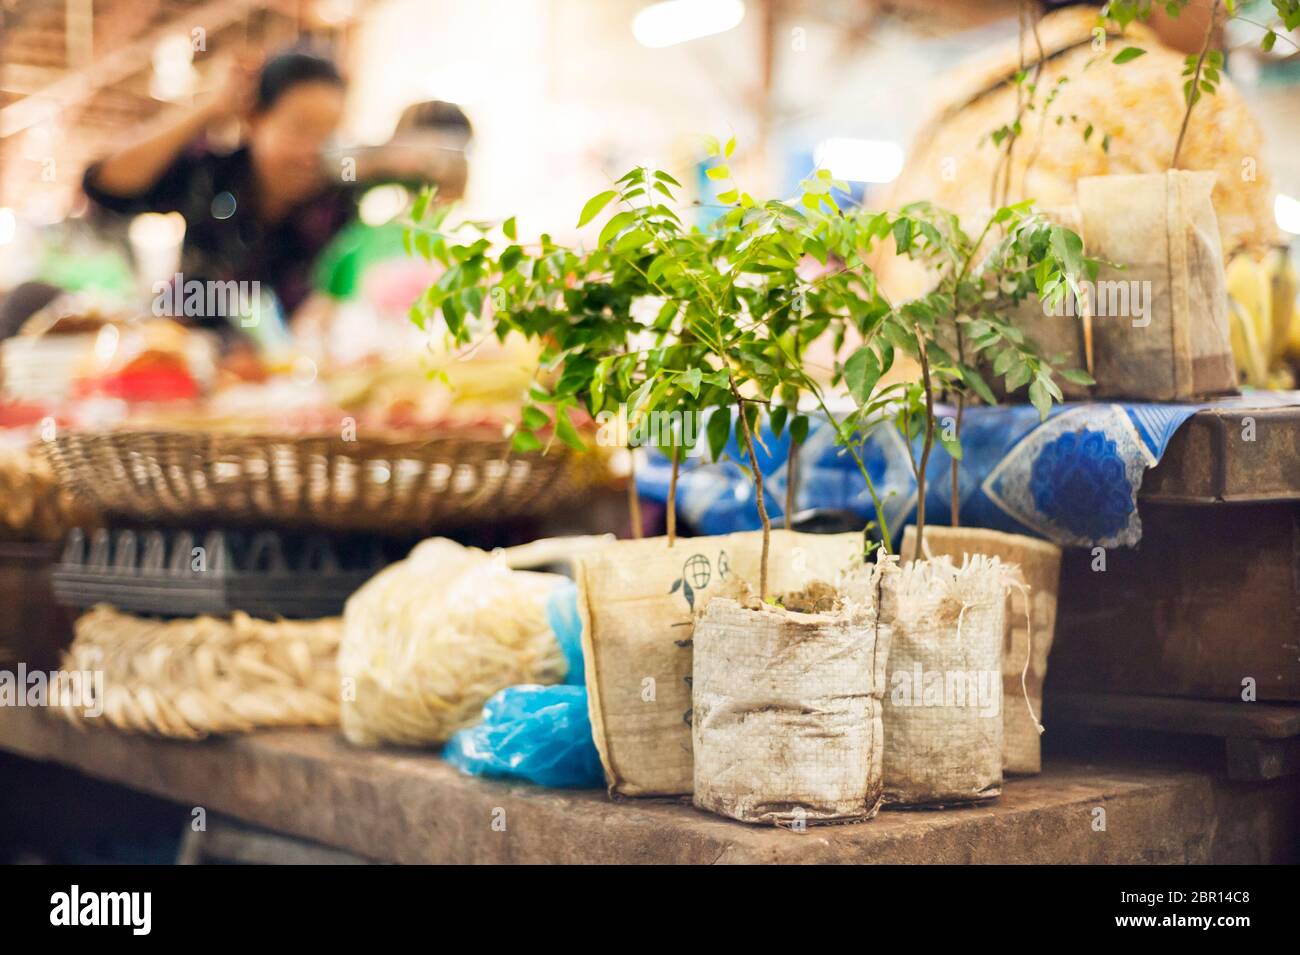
<point>538,733</point>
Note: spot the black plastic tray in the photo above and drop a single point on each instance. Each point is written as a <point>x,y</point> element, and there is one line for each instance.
<point>186,573</point>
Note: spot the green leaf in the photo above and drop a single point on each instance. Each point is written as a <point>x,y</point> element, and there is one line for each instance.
<point>1128,54</point>
<point>535,418</point>
<point>799,429</point>
<point>614,226</point>
<point>421,204</point>
<point>1076,376</point>
<point>861,372</point>
<point>951,443</point>
<point>566,432</point>
<point>976,383</point>
<point>1039,398</point>
<point>1018,377</point>
<point>777,418</point>
<point>664,177</point>
<point>719,432</point>
<point>633,240</point>
<point>689,381</point>
<point>508,227</point>
<point>722,171</point>
<point>525,441</point>
<point>730,148</point>
<point>594,205</point>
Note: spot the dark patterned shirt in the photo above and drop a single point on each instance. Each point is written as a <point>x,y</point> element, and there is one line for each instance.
<point>224,238</point>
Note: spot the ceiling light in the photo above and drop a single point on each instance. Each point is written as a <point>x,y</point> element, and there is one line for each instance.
<point>677,21</point>
<point>860,160</point>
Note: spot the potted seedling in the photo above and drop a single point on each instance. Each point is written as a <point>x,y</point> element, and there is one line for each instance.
<point>654,319</point>
<point>948,613</point>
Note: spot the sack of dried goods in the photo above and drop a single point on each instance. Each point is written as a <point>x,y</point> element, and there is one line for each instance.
<point>190,677</point>
<point>429,639</point>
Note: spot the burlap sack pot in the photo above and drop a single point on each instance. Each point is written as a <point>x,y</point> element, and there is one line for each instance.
<point>1162,228</point>
<point>1027,640</point>
<point>786,724</point>
<point>1158,309</point>
<point>943,702</point>
<point>637,600</point>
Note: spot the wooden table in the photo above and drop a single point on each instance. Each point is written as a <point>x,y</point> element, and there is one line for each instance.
<point>409,806</point>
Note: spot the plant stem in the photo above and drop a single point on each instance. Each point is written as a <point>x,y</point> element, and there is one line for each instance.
<point>791,481</point>
<point>925,447</point>
<point>1195,93</point>
<point>815,390</point>
<point>758,491</point>
<point>671,517</point>
<point>633,500</point>
<point>956,467</point>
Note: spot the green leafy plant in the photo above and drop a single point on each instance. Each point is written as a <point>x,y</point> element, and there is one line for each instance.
<point>658,317</point>
<point>961,324</point>
<point>1201,70</point>
<point>661,317</point>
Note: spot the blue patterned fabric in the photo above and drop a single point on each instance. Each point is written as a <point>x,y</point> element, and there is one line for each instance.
<point>1072,479</point>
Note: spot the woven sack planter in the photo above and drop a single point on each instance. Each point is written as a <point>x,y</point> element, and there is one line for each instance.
<point>1162,228</point>
<point>943,702</point>
<point>637,600</point>
<point>787,724</point>
<point>1028,639</point>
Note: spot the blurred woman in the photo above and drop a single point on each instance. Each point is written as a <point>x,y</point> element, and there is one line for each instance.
<point>260,213</point>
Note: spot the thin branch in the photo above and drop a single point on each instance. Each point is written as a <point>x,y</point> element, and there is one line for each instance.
<point>1195,90</point>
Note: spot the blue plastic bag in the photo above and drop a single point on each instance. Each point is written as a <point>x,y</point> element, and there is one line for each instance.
<point>538,733</point>
<point>562,615</point>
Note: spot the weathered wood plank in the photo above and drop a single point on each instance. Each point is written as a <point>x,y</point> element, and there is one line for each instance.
<point>1206,605</point>
<point>1237,455</point>
<point>1177,715</point>
<point>407,806</point>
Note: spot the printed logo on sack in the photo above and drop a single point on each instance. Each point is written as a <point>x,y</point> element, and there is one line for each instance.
<point>696,574</point>
<point>131,909</point>
<point>975,689</point>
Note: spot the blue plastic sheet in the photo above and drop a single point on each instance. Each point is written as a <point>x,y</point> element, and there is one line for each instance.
<point>1072,479</point>
<point>538,733</point>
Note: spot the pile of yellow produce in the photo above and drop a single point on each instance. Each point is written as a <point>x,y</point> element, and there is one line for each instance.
<point>1262,313</point>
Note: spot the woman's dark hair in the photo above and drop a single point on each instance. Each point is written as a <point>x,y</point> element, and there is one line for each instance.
<point>284,71</point>
<point>437,116</point>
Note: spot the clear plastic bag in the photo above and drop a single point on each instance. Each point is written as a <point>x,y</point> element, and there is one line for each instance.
<point>538,733</point>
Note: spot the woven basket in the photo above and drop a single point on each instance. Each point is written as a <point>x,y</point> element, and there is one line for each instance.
<point>370,484</point>
<point>193,677</point>
<point>33,505</point>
